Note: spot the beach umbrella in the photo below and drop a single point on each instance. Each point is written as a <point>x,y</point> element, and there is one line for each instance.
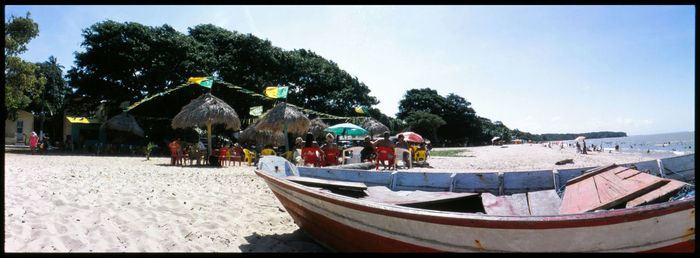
<point>297,122</point>
<point>123,122</point>
<point>411,137</point>
<point>317,126</point>
<point>579,138</point>
<point>346,129</point>
<point>252,135</point>
<point>495,138</point>
<point>206,110</point>
<point>374,127</point>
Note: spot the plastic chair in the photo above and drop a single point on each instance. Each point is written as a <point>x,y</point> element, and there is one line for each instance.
<point>235,155</point>
<point>331,157</point>
<point>222,155</point>
<point>249,156</point>
<point>185,158</point>
<point>268,152</point>
<point>312,155</point>
<point>420,156</point>
<point>399,157</point>
<point>385,154</point>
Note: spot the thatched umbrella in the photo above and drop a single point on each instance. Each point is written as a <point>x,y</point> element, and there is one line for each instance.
<point>123,122</point>
<point>207,110</point>
<point>374,127</point>
<point>284,118</point>
<point>252,135</point>
<point>317,126</point>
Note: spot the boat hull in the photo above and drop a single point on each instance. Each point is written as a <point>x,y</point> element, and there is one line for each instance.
<point>346,224</point>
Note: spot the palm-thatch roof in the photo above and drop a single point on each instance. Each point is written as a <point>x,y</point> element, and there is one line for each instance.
<point>206,109</point>
<point>123,122</point>
<point>317,126</point>
<point>254,136</point>
<point>374,127</point>
<point>297,122</point>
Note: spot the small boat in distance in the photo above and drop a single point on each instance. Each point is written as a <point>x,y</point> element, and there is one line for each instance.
<point>352,210</point>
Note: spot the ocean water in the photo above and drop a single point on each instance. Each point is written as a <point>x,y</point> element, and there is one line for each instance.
<point>661,144</point>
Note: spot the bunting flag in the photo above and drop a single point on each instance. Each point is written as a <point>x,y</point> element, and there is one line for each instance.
<point>256,111</point>
<point>276,92</point>
<point>362,110</point>
<point>203,81</point>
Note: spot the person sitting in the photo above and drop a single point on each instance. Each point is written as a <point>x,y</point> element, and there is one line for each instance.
<point>403,144</point>
<point>330,148</point>
<point>329,145</point>
<point>385,142</point>
<point>368,150</point>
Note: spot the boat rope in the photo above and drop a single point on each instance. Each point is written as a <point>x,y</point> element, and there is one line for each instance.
<point>687,190</point>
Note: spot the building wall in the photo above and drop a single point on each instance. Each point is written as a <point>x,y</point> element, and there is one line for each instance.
<point>11,128</point>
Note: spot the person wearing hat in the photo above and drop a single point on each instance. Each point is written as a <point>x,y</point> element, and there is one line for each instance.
<point>33,140</point>
<point>329,145</point>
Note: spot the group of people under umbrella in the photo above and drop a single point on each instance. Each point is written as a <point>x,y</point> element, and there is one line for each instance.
<point>273,130</point>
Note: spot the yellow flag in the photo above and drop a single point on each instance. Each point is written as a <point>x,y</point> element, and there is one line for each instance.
<point>276,92</point>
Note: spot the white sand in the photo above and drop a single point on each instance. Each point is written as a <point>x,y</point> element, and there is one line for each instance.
<point>127,204</point>
<point>61,203</point>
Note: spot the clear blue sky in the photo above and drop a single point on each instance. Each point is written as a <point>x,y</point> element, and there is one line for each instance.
<point>540,69</point>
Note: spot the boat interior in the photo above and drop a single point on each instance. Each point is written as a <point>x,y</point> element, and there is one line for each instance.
<point>546,192</point>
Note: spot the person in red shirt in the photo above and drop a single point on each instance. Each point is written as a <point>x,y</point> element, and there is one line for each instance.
<point>175,152</point>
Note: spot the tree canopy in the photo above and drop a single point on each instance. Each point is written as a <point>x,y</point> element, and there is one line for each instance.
<point>22,83</point>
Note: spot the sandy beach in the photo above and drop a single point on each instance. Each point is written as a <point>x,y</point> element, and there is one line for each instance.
<point>87,203</point>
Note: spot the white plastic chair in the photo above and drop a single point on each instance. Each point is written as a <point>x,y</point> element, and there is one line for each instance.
<point>399,157</point>
<point>355,158</point>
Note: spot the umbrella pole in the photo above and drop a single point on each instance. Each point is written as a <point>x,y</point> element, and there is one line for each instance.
<point>209,139</point>
<point>284,128</point>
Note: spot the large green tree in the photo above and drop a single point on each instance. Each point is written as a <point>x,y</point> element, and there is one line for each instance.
<point>425,124</point>
<point>129,61</point>
<point>461,125</point>
<point>22,84</point>
<point>49,106</point>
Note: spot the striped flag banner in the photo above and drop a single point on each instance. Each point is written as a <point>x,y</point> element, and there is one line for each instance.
<point>276,92</point>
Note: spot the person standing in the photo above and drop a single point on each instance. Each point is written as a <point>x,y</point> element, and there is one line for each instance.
<point>584,148</point>
<point>33,140</point>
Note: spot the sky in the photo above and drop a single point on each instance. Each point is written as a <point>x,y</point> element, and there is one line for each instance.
<point>538,69</point>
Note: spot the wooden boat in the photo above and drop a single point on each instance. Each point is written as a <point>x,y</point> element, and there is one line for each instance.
<point>403,211</point>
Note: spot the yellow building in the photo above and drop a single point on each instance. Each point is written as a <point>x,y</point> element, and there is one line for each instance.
<point>16,129</point>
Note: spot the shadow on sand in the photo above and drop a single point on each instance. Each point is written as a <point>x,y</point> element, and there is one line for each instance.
<point>295,242</point>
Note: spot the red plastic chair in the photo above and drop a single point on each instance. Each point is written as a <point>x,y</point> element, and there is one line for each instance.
<point>236,154</point>
<point>331,157</point>
<point>383,154</point>
<point>222,156</point>
<point>185,158</point>
<point>308,154</point>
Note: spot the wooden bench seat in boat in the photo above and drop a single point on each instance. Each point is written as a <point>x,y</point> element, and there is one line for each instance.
<point>383,194</point>
<point>607,187</point>
<point>545,202</point>
<point>331,184</point>
<point>660,194</point>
